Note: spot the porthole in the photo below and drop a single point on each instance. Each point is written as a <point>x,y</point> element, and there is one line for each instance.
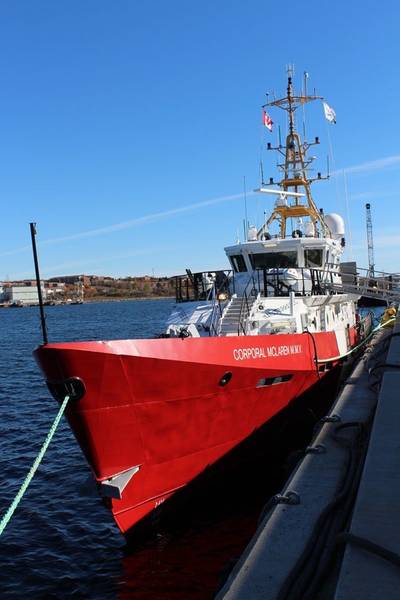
<point>226,377</point>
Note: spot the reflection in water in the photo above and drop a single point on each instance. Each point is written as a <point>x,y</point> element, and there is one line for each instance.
<point>199,541</point>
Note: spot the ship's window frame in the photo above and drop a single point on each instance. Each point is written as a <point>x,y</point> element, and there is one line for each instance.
<point>275,260</point>
<point>238,263</point>
<point>314,263</point>
<point>268,381</point>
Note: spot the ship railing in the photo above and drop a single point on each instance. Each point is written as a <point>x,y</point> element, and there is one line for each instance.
<point>221,294</point>
<point>371,283</point>
<point>277,282</point>
<point>251,290</point>
<point>307,281</point>
<point>204,285</point>
<point>216,312</point>
<point>303,281</point>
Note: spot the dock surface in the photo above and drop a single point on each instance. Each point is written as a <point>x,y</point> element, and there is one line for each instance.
<point>376,510</point>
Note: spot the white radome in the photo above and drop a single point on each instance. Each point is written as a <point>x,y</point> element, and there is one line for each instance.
<point>336,224</point>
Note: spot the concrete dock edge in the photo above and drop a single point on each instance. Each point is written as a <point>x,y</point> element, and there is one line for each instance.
<point>282,537</point>
<point>376,512</point>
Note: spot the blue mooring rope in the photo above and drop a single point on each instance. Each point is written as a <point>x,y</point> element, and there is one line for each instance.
<point>4,521</point>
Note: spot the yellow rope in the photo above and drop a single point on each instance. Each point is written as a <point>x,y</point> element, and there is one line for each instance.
<point>377,328</point>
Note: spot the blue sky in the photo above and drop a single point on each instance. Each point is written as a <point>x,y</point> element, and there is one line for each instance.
<point>126,128</point>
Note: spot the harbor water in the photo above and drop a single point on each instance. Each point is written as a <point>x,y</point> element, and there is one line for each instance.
<point>62,541</point>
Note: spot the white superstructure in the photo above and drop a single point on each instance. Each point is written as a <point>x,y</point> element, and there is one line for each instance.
<point>282,280</point>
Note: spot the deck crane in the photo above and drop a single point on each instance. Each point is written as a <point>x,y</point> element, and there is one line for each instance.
<point>370,242</point>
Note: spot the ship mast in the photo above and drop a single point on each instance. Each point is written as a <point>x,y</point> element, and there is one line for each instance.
<point>295,167</point>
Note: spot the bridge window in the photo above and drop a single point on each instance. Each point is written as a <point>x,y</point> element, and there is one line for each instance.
<point>238,263</point>
<point>313,257</point>
<point>274,260</point>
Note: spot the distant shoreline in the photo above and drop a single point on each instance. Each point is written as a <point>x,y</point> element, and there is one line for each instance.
<point>100,300</point>
<point>123,299</point>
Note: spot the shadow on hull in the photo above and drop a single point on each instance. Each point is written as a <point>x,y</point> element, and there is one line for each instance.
<point>250,473</point>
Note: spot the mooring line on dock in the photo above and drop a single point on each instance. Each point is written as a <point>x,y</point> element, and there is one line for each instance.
<point>366,544</point>
<point>20,494</point>
<point>358,346</point>
<point>311,565</point>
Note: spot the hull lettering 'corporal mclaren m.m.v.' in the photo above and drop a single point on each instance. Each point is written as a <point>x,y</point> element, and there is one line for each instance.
<point>240,345</point>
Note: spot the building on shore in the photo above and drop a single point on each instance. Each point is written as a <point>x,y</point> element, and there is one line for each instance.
<point>72,279</point>
<point>23,295</point>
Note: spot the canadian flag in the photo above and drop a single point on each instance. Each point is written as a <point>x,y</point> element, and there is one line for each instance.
<point>267,121</point>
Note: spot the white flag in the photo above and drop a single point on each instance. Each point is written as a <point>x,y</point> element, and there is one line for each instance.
<point>330,114</point>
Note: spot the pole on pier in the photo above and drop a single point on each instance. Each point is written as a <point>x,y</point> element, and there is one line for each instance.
<point>39,289</point>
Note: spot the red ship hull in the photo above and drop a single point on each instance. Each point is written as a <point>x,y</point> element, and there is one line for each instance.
<point>173,407</point>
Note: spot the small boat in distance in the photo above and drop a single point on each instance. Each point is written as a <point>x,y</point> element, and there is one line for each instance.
<point>152,414</point>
